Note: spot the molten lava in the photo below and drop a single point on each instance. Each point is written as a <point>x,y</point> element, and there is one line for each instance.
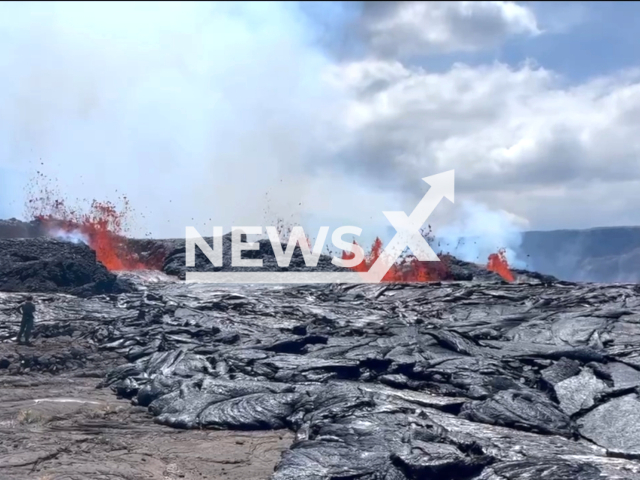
<point>498,264</point>
<point>407,270</point>
<point>103,227</point>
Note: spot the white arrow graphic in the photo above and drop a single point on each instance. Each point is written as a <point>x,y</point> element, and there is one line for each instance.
<point>408,228</point>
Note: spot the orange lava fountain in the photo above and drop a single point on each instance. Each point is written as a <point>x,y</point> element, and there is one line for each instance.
<point>103,227</point>
<point>408,269</point>
<point>498,263</point>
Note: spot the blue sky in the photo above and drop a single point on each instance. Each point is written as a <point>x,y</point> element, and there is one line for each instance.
<point>581,40</point>
<point>199,112</point>
<point>11,192</point>
<point>592,39</point>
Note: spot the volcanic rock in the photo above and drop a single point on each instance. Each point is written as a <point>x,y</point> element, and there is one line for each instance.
<point>169,256</point>
<point>579,392</point>
<point>48,265</point>
<point>623,376</point>
<point>175,261</point>
<point>610,254</point>
<point>386,381</point>
<point>479,380</point>
<point>449,268</point>
<point>615,426</point>
<point>153,252</point>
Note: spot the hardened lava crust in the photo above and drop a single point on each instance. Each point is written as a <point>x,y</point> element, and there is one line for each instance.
<point>451,380</point>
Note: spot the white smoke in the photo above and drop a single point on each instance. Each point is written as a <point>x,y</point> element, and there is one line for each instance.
<point>74,236</point>
<point>225,100</point>
<point>479,232</point>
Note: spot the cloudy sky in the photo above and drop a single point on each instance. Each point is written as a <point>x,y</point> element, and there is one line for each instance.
<point>326,113</point>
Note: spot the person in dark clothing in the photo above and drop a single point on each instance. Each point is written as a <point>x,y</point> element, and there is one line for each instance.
<point>28,310</point>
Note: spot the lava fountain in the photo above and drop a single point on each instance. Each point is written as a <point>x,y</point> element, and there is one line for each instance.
<point>498,263</point>
<point>408,269</point>
<point>102,227</point>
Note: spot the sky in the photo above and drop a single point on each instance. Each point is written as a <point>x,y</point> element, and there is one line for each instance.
<point>326,113</point>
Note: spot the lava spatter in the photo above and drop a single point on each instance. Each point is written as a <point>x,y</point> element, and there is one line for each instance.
<point>102,227</point>
<point>498,263</point>
<point>408,269</point>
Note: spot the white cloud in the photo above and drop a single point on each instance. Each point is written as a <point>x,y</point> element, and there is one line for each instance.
<point>504,129</point>
<point>417,28</point>
<point>196,110</point>
<point>193,110</point>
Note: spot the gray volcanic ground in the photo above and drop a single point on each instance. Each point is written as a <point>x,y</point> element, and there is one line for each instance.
<point>449,381</point>
<point>468,379</point>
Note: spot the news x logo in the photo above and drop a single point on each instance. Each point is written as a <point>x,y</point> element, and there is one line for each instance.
<point>407,235</point>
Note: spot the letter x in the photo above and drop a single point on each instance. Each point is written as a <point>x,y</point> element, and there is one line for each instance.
<point>408,235</point>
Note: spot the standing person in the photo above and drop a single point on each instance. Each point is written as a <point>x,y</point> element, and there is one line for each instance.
<point>28,310</point>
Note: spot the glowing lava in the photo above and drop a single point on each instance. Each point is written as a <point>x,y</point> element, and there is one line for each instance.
<point>407,269</point>
<point>498,264</point>
<point>102,227</point>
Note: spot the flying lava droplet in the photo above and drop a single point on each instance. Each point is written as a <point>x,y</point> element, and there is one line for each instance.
<point>103,226</point>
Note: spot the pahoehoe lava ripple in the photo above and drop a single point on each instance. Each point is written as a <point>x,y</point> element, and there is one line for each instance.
<point>458,380</point>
